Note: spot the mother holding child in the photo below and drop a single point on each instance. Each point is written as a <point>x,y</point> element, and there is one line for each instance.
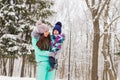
<point>47,49</point>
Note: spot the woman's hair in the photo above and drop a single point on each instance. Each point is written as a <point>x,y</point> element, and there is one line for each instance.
<point>44,42</point>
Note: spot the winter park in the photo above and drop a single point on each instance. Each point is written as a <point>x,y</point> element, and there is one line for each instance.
<point>59,39</point>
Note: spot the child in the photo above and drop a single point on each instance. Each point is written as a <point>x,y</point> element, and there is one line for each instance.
<point>55,45</point>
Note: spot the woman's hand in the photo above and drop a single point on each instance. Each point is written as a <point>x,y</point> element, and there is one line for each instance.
<point>35,33</point>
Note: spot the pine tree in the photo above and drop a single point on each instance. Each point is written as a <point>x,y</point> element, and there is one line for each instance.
<point>17,18</point>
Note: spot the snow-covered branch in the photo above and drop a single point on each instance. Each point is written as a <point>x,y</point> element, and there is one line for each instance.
<point>88,5</point>
<point>106,27</point>
<point>102,8</point>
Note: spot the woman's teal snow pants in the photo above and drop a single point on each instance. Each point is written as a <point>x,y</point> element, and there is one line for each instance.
<point>43,72</point>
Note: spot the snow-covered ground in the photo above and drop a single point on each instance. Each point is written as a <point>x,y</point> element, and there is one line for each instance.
<point>15,78</point>
<point>18,78</point>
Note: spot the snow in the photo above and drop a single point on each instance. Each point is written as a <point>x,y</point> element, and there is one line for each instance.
<point>10,36</point>
<point>5,12</point>
<point>14,48</point>
<point>21,6</point>
<point>15,78</point>
<point>11,13</point>
<point>19,78</point>
<point>1,14</point>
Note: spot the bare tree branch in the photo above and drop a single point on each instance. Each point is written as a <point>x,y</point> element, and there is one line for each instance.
<point>110,25</point>
<point>100,11</point>
<point>117,39</point>
<point>112,22</point>
<point>88,5</point>
<point>99,3</point>
<point>93,2</point>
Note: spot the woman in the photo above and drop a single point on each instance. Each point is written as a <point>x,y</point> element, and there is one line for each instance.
<point>41,45</point>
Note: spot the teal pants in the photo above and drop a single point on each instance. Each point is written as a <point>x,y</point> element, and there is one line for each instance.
<point>43,72</point>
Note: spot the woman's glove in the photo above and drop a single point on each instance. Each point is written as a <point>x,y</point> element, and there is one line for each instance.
<point>35,33</point>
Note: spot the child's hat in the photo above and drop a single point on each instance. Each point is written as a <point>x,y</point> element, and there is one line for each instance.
<point>41,28</point>
<point>57,27</point>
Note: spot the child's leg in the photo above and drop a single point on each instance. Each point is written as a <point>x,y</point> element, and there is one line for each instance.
<point>56,64</point>
<point>52,61</point>
<point>41,71</point>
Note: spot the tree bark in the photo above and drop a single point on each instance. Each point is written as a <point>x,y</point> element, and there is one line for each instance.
<point>95,50</point>
<point>4,66</point>
<point>105,49</point>
<point>23,65</point>
<point>96,13</point>
<point>11,66</point>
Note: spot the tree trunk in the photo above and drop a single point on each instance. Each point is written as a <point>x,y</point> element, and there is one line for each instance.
<point>11,66</point>
<point>0,65</point>
<point>4,66</point>
<point>35,70</point>
<point>111,60</point>
<point>105,50</point>
<point>62,70</point>
<point>96,12</point>
<point>23,65</point>
<point>95,50</point>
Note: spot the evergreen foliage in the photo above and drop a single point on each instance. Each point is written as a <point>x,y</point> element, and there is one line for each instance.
<point>17,19</point>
